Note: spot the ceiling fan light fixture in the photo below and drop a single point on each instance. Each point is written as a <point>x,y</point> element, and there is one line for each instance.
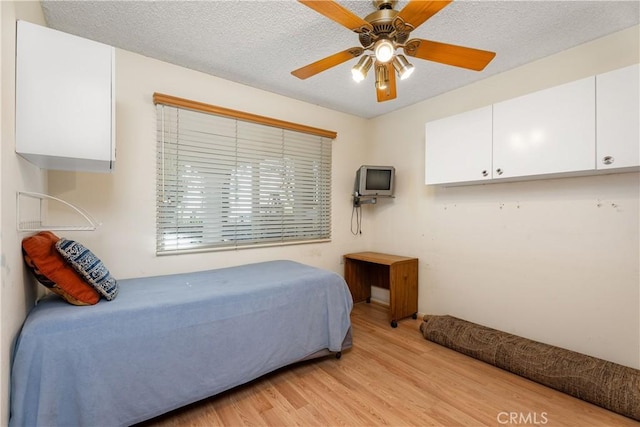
<point>383,50</point>
<point>402,66</point>
<point>359,71</point>
<point>382,80</point>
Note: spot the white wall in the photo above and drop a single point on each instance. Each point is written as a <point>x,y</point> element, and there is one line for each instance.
<point>17,291</point>
<point>556,261</point>
<point>125,200</point>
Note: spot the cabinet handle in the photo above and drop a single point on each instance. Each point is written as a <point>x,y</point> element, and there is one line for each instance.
<point>499,171</point>
<point>607,160</point>
<point>485,173</point>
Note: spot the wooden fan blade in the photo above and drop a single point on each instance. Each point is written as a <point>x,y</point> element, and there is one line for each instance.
<point>458,56</point>
<point>418,11</point>
<point>326,63</point>
<point>339,14</point>
<point>390,92</point>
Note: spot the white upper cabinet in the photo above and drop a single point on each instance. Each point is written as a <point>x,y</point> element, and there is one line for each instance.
<point>458,148</point>
<point>547,132</point>
<point>617,118</point>
<point>64,100</point>
<point>585,127</point>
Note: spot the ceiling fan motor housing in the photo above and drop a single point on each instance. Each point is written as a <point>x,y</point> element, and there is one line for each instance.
<point>382,22</point>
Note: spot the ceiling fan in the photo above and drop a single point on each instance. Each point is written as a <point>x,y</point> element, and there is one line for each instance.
<point>384,31</point>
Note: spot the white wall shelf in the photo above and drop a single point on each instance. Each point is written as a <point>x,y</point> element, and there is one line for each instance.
<point>37,222</point>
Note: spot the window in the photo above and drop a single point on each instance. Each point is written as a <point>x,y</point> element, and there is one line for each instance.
<point>228,179</point>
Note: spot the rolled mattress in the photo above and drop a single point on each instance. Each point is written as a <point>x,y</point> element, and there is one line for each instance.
<point>609,385</point>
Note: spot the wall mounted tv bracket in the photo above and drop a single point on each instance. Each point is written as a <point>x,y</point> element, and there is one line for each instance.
<point>359,200</point>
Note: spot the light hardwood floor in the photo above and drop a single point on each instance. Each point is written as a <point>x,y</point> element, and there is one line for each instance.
<point>391,377</point>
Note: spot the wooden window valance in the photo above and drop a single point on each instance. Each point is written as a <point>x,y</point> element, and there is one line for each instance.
<point>159,98</point>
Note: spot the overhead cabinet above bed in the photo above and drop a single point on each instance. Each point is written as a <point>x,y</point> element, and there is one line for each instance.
<point>64,100</point>
<point>583,127</point>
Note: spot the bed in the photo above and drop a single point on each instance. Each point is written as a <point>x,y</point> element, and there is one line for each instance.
<point>168,341</point>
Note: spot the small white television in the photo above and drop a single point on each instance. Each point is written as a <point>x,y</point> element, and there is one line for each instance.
<point>375,181</point>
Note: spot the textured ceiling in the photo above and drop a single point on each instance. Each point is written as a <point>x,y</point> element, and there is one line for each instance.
<point>259,43</point>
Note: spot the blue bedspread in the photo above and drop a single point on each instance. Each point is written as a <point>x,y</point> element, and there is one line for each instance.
<point>167,341</point>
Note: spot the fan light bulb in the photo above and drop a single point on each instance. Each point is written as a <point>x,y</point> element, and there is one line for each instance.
<point>357,75</point>
<point>402,66</point>
<point>359,71</point>
<point>381,85</point>
<point>384,50</point>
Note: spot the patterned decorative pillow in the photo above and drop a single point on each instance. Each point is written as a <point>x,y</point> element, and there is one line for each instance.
<point>89,266</point>
<point>51,270</point>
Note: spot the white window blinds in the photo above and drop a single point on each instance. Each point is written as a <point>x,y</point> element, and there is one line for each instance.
<point>227,183</point>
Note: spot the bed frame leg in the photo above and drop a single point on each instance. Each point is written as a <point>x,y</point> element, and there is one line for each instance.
<point>338,355</point>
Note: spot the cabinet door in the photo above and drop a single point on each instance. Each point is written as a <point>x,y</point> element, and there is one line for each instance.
<point>64,100</point>
<point>458,148</point>
<point>546,132</point>
<point>617,117</point>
